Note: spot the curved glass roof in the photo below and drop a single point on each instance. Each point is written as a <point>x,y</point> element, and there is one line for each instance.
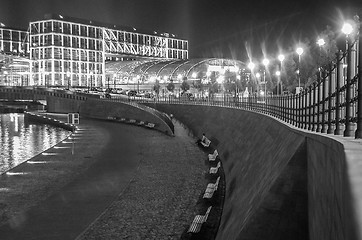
<point>169,70</point>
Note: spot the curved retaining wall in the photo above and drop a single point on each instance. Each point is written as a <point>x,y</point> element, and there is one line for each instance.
<point>103,109</point>
<point>255,152</point>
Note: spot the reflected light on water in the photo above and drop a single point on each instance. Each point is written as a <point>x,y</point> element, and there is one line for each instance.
<point>36,162</point>
<point>16,173</point>
<point>21,140</point>
<point>49,154</point>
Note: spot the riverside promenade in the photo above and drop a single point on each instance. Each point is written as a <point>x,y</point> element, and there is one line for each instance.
<point>106,181</point>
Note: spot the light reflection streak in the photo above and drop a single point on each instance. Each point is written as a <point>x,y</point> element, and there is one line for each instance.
<point>4,189</point>
<point>37,162</point>
<point>49,154</point>
<point>21,140</point>
<point>16,173</point>
<point>60,147</point>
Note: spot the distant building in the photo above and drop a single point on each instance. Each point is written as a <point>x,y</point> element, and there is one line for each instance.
<point>65,51</point>
<point>14,54</point>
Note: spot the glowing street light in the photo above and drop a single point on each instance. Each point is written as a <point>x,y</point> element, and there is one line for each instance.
<point>251,66</point>
<point>265,62</point>
<point>281,57</point>
<point>347,28</point>
<point>277,73</point>
<point>299,51</point>
<point>320,42</point>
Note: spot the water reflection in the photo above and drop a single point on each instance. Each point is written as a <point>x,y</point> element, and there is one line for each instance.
<point>20,141</point>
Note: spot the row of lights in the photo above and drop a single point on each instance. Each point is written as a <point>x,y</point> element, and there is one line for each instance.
<point>347,29</point>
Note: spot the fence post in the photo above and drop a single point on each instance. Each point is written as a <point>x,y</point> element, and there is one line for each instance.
<point>317,102</point>
<point>310,105</point>
<point>306,104</point>
<point>293,115</point>
<point>331,83</point>
<point>323,102</point>
<point>339,78</point>
<point>358,133</point>
<point>300,108</point>
<point>314,125</point>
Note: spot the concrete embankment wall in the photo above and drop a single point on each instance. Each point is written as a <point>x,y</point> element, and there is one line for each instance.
<point>255,152</point>
<point>62,104</point>
<point>116,110</point>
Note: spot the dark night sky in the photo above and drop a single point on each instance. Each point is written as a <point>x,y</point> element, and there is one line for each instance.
<point>214,28</point>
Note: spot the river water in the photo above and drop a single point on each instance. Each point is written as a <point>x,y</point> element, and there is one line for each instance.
<point>21,140</point>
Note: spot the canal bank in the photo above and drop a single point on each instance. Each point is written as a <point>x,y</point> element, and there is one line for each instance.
<point>137,183</point>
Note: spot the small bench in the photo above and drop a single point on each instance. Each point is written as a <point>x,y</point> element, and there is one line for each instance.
<point>213,170</point>
<point>198,221</point>
<point>206,143</point>
<point>150,125</point>
<point>213,156</point>
<point>211,188</point>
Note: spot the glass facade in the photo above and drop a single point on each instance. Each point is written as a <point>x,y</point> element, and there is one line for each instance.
<point>165,71</point>
<point>14,52</point>
<point>65,52</point>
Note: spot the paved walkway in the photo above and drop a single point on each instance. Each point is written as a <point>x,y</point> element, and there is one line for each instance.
<point>130,183</point>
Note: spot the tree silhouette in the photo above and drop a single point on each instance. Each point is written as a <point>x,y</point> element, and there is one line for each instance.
<point>170,86</point>
<point>157,87</point>
<point>184,86</point>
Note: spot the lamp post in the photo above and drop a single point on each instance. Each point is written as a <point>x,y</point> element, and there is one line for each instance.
<point>114,80</point>
<point>299,52</point>
<point>265,63</point>
<point>320,43</point>
<point>68,78</point>
<point>347,29</point>
<point>281,58</point>
<point>90,87</point>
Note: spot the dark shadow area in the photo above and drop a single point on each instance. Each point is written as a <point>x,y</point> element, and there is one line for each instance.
<point>284,212</point>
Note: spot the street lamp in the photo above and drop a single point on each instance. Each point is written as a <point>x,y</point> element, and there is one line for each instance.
<point>347,29</point>
<point>299,52</point>
<point>91,73</point>
<point>265,63</point>
<point>68,78</point>
<point>114,80</point>
<point>251,66</point>
<point>281,58</point>
<point>320,42</point>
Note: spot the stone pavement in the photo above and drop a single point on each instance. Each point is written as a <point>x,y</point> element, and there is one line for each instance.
<point>126,182</point>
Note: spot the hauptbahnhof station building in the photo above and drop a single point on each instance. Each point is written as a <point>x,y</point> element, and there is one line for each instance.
<point>60,51</point>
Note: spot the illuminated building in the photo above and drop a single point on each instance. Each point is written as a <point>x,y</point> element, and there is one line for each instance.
<point>69,52</point>
<point>72,52</point>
